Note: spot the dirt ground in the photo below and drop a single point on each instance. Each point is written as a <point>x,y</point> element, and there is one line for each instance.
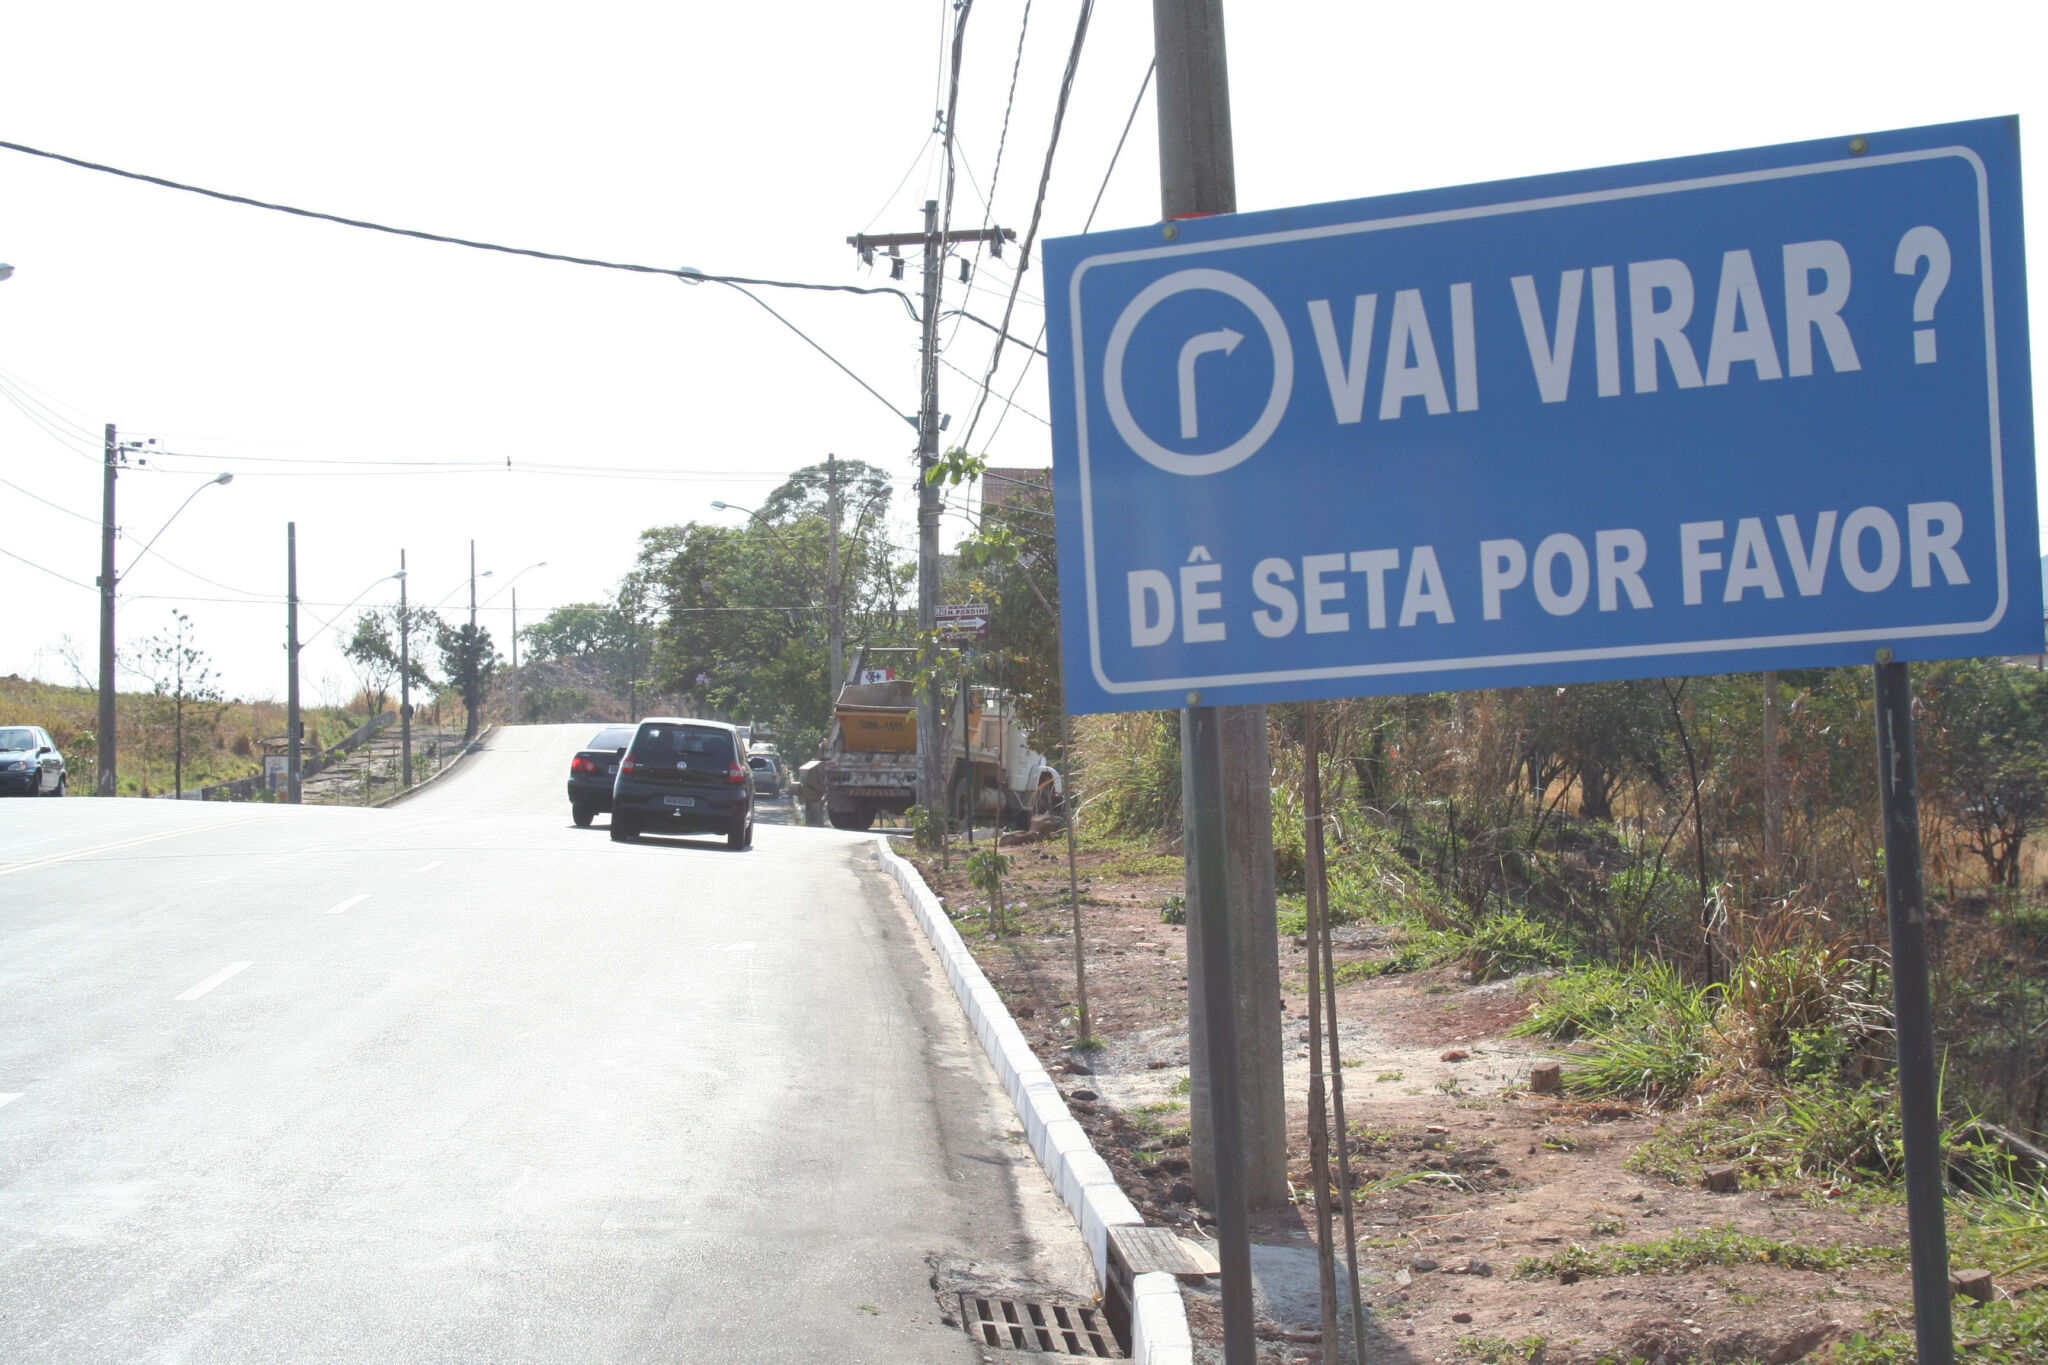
<point>1463,1172</point>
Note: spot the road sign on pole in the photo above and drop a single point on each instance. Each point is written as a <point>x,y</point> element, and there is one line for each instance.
<point>1763,409</point>
<point>961,622</point>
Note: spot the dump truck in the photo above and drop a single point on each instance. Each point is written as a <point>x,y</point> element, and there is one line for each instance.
<point>868,763</point>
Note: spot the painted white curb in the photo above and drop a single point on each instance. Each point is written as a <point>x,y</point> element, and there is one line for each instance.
<point>1159,1324</point>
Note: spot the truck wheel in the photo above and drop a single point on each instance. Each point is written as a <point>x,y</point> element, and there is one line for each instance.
<point>956,803</point>
<point>858,817</point>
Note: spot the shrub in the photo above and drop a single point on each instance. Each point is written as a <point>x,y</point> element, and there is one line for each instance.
<point>985,873</point>
<point>1645,1029</point>
<point>1506,944</point>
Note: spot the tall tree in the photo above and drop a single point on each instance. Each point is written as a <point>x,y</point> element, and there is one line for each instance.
<point>467,662</point>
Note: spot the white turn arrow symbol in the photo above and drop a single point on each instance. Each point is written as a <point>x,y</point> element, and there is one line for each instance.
<point>1223,340</point>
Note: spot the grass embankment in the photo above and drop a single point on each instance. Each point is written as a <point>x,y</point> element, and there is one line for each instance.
<point>223,740</point>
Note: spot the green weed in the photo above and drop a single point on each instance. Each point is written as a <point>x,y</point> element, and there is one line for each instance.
<point>1694,1249</point>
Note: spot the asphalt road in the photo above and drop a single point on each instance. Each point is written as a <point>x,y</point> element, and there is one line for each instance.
<point>457,1081</point>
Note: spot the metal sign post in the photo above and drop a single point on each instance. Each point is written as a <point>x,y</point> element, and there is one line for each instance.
<point>1898,797</point>
<point>1202,792</point>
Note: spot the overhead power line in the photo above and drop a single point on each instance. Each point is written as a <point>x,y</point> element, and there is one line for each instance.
<point>1059,118</point>
<point>446,240</point>
<point>51,572</point>
<point>1010,401</point>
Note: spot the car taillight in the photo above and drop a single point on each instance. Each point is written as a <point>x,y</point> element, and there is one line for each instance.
<point>626,764</point>
<point>580,764</point>
<point>735,774</point>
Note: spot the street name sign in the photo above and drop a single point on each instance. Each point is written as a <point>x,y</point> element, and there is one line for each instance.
<point>961,621</point>
<point>1761,409</point>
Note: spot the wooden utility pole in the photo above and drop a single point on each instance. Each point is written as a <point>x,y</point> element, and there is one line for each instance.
<point>104,740</point>
<point>294,753</point>
<point>934,243</point>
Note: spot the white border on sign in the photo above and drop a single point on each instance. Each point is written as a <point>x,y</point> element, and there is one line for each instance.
<point>1643,651</point>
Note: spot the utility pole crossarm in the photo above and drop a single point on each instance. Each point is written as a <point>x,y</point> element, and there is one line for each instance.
<point>893,242</point>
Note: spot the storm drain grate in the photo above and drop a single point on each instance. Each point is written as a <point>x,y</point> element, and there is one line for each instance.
<point>1054,1328</point>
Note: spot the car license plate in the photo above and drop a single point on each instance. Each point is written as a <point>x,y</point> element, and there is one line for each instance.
<point>615,767</point>
<point>680,800</point>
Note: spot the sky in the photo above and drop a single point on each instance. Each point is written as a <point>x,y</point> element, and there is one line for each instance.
<point>331,369</point>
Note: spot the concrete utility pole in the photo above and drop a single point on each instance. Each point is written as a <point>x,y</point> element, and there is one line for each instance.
<point>1238,1100</point>
<point>515,656</point>
<point>292,727</point>
<point>404,681</point>
<point>931,762</point>
<point>835,622</point>
<point>104,741</point>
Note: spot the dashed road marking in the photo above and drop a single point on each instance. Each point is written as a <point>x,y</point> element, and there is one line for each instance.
<point>429,867</point>
<point>223,974</point>
<point>6,1100</point>
<point>27,863</point>
<point>354,900</point>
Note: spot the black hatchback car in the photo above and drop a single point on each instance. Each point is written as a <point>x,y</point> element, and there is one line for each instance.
<point>592,771</point>
<point>684,777</point>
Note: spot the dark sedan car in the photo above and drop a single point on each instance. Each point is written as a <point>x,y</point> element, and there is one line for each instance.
<point>591,772</point>
<point>684,777</point>
<point>29,762</point>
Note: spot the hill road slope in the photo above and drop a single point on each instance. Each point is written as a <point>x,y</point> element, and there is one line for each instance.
<point>457,1081</point>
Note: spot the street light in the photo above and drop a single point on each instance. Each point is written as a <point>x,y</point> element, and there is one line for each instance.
<point>104,740</point>
<point>512,584</point>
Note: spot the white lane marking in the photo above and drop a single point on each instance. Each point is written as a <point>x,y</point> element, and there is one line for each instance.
<point>222,975</point>
<point>6,1100</point>
<point>27,863</point>
<point>430,866</point>
<point>357,899</point>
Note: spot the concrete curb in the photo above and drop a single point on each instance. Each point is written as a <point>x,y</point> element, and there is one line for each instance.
<point>1159,1324</point>
<point>416,788</point>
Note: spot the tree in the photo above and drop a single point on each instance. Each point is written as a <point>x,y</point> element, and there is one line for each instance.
<point>181,678</point>
<point>737,616</point>
<point>467,662</point>
<point>373,651</point>
<point>1988,724</point>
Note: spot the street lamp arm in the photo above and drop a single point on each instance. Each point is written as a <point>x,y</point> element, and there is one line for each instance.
<point>324,625</point>
<point>223,479</point>
<point>537,564</point>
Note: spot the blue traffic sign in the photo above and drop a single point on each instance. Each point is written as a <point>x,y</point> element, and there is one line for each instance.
<point>1764,409</point>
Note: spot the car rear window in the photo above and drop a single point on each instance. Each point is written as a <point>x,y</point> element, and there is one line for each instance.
<point>761,763</point>
<point>684,743</point>
<point>612,737</point>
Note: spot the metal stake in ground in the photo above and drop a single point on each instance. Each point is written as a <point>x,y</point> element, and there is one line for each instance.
<point>1073,803</point>
<point>1346,1192</point>
<point>1898,799</point>
<point>1318,1106</point>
